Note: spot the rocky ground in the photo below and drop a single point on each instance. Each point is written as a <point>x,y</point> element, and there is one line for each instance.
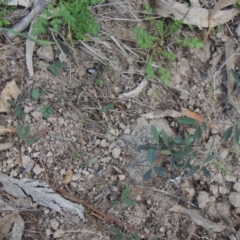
<point>89,145</point>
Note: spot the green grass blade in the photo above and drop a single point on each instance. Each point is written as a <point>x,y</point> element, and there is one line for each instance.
<point>206,173</point>
<point>235,76</point>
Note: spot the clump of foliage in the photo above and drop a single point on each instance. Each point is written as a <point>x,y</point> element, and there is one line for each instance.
<point>124,199</point>
<point>17,107</point>
<point>73,14</point>
<point>179,149</point>
<point>154,41</point>
<point>23,133</point>
<point>4,9</point>
<point>47,111</point>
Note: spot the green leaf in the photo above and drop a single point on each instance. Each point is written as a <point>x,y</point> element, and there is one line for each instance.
<point>136,235</point>
<point>155,134</point>
<point>186,120</point>
<point>129,202</point>
<point>19,132</point>
<point>165,138</point>
<point>120,237</point>
<point>210,158</point>
<point>160,171</point>
<point>26,132</point>
<point>189,141</point>
<point>172,163</point>
<point>35,93</point>
<point>206,173</point>
<point>192,171</point>
<point>178,155</point>
<point>46,115</point>
<point>151,155</point>
<point>159,26</point>
<point>18,111</point>
<point>125,193</point>
<point>147,175</point>
<point>50,110</point>
<point>114,231</point>
<point>11,102</point>
<point>20,99</point>
<point>238,122</point>
<point>44,42</point>
<point>107,107</point>
<point>227,134</point>
<point>43,109</point>
<point>149,70</point>
<point>129,237</point>
<point>165,152</point>
<point>236,137</point>
<point>197,134</point>
<point>185,165</point>
<point>114,203</point>
<point>177,140</point>
<point>235,76</point>
<point>173,27</point>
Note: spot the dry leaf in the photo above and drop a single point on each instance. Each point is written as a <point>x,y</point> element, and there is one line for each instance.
<point>166,113</point>
<point>136,91</point>
<point>6,130</point>
<point>199,220</point>
<point>68,177</point>
<point>191,114</point>
<point>11,226</point>
<point>193,15</point>
<point>11,91</point>
<point>5,146</point>
<point>41,193</point>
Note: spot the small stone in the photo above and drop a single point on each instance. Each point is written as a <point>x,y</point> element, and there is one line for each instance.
<point>234,199</point>
<point>212,199</point>
<point>61,120</point>
<point>218,178</point>
<point>223,190</point>
<point>103,143</point>
<point>232,237</point>
<point>58,234</point>
<point>162,229</point>
<point>121,177</point>
<point>48,232</point>
<point>27,109</point>
<point>73,184</point>
<point>63,171</point>
<point>236,186</point>
<point>202,199</point>
<point>116,153</point>
<point>35,154</point>
<point>76,176</point>
<point>238,30</point>
<point>54,224</point>
<point>97,142</point>
<point>230,178</point>
<point>105,159</point>
<point>214,189</point>
<point>27,163</point>
<point>85,172</point>
<point>46,53</point>
<point>138,198</point>
<point>37,169</point>
<point>49,154</point>
<point>122,126</point>
<point>36,114</point>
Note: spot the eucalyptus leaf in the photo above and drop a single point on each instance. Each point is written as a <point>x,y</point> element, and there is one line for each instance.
<point>177,140</point>
<point>206,173</point>
<point>193,170</point>
<point>147,175</point>
<point>172,163</point>
<point>227,134</point>
<point>155,134</point>
<point>165,152</point>
<point>151,155</point>
<point>189,141</point>
<point>197,134</point>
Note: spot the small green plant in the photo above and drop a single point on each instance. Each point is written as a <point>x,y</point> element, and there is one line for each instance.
<point>107,107</point>
<point>36,94</point>
<point>56,67</point>
<point>148,11</point>
<point>47,111</point>
<point>4,10</point>
<point>74,14</point>
<point>98,82</point>
<point>160,33</point>
<point>180,150</point>
<point>124,199</point>
<point>23,133</point>
<point>17,107</point>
